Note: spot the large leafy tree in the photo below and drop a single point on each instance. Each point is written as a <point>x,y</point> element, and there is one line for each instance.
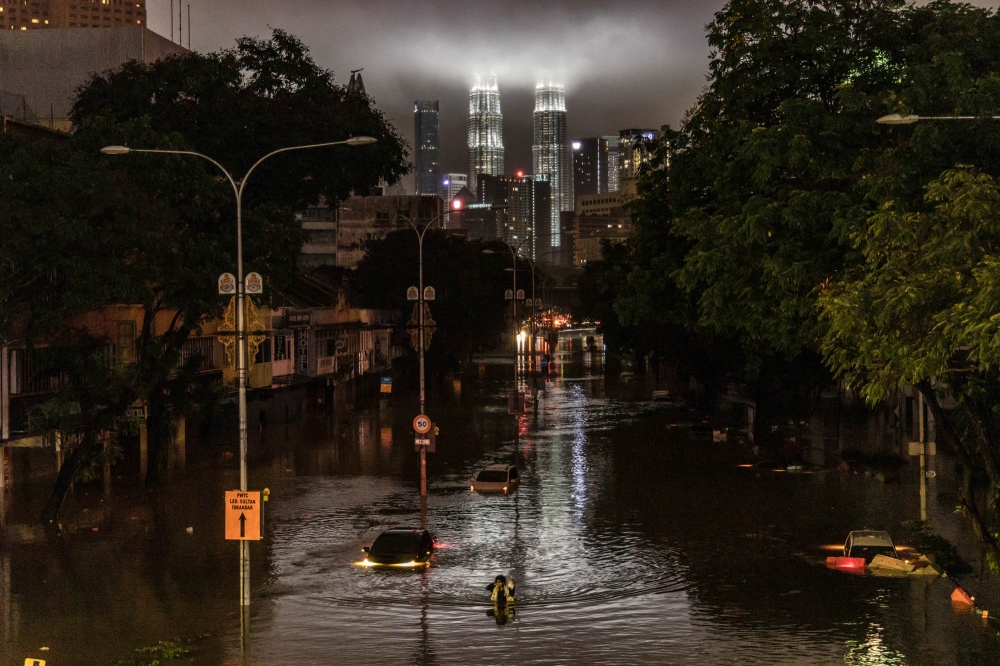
<point>175,231</point>
<point>781,161</point>
<point>921,309</point>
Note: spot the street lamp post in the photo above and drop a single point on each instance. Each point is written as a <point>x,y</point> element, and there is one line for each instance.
<point>420,343</point>
<point>241,353</point>
<point>513,254</point>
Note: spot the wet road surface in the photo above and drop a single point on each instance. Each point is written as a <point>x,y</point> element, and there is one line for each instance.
<point>631,542</point>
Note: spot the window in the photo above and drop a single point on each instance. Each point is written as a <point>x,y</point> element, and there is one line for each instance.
<point>125,341</point>
<point>263,352</point>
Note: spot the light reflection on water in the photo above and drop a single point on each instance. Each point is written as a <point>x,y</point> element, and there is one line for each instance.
<point>630,543</point>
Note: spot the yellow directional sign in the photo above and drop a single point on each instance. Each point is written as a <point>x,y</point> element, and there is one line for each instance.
<point>34,662</point>
<point>242,515</point>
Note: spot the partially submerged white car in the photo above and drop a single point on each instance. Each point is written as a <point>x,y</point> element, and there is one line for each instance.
<point>496,478</point>
<point>868,544</point>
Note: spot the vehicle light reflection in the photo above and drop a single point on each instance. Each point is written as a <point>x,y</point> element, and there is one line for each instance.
<point>405,565</point>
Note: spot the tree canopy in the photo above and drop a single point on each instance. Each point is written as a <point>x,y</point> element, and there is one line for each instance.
<point>84,230</point>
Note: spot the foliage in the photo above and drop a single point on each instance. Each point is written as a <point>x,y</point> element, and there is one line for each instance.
<point>88,230</point>
<point>945,555</point>
<point>155,655</point>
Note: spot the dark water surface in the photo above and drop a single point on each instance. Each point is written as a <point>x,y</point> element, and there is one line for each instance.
<point>631,541</point>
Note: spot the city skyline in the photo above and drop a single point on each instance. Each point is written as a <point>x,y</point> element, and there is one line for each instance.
<point>636,63</point>
<point>628,65</point>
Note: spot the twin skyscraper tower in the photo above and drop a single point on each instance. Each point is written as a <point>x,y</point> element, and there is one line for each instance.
<point>550,151</point>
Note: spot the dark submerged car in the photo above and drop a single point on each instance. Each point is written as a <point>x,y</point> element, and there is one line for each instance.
<point>400,547</point>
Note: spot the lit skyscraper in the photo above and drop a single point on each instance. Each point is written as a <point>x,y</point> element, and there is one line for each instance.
<point>426,146</point>
<point>550,151</point>
<point>485,129</point>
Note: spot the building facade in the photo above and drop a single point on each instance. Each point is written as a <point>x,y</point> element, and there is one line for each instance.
<point>451,184</point>
<point>361,220</point>
<point>43,68</point>
<point>590,166</point>
<point>550,152</point>
<point>41,14</point>
<point>614,148</point>
<point>599,218</point>
<point>524,205</point>
<point>426,146</point>
<point>485,130</point>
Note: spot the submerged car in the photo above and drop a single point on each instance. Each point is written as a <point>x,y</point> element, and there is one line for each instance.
<point>869,543</point>
<point>497,478</point>
<point>400,547</point>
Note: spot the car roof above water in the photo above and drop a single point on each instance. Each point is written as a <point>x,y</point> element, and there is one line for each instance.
<point>870,538</point>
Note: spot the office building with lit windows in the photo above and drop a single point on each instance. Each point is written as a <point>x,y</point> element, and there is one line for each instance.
<point>485,129</point>
<point>590,166</point>
<point>450,185</point>
<point>614,146</point>
<point>426,146</point>
<point>524,210</point>
<point>40,14</point>
<point>550,151</point>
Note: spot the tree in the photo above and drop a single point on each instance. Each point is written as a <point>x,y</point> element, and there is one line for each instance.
<point>173,232</point>
<point>780,162</point>
<point>921,309</point>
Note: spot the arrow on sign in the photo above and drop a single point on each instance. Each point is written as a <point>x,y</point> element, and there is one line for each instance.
<point>243,525</point>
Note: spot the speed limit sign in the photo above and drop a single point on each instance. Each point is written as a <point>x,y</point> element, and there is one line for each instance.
<point>422,424</point>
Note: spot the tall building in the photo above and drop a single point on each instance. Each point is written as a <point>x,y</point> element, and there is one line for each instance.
<point>485,129</point>
<point>590,166</point>
<point>524,204</point>
<point>450,185</point>
<point>633,154</point>
<point>426,146</point>
<point>550,150</point>
<point>614,143</point>
<point>40,14</point>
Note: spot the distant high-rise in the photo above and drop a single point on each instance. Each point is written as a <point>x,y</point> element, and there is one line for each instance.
<point>525,210</point>
<point>614,143</point>
<point>590,166</point>
<point>426,146</point>
<point>72,14</point>
<point>485,129</point>
<point>450,185</point>
<point>550,151</point>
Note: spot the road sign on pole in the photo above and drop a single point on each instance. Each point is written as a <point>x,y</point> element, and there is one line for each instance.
<point>386,385</point>
<point>242,515</point>
<point>413,294</point>
<point>422,424</point>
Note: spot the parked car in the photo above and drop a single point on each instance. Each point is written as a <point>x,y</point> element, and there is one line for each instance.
<point>400,547</point>
<point>496,478</point>
<point>868,544</point>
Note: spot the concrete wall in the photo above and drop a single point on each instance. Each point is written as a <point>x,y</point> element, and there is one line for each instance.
<point>47,66</point>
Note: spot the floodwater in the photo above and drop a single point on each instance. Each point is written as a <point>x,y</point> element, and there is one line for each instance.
<point>631,541</point>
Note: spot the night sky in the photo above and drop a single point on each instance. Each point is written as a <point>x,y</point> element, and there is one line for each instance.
<point>630,63</point>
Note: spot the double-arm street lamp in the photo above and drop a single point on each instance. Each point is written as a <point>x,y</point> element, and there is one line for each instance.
<point>241,359</point>
<point>420,344</point>
<point>514,252</point>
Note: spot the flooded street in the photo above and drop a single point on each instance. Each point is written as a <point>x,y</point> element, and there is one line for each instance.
<point>631,541</point>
